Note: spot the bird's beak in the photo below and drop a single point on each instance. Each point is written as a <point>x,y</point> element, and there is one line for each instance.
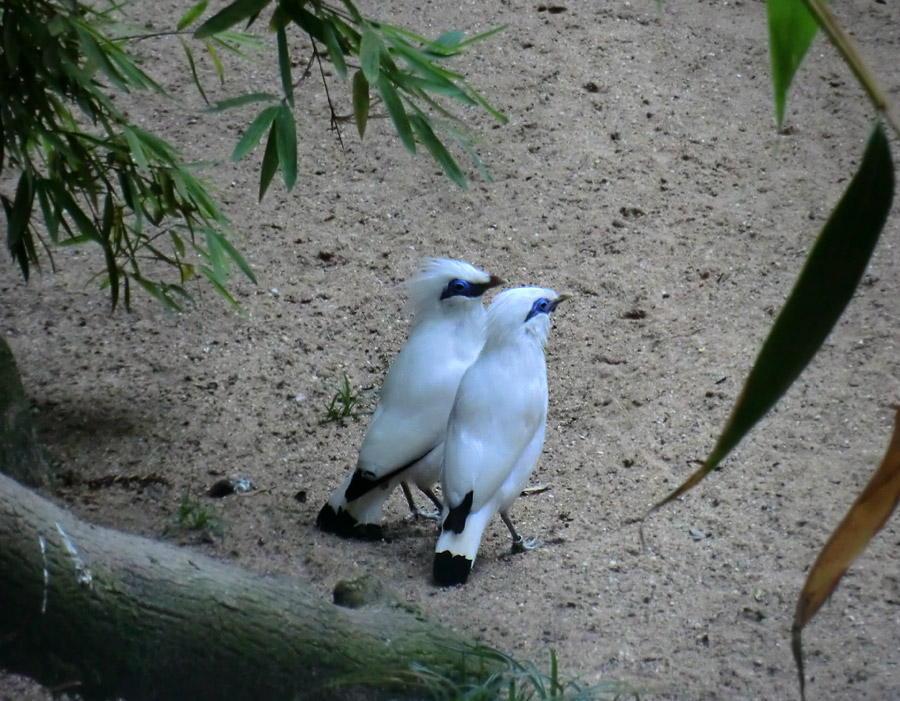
<point>495,282</point>
<point>563,297</point>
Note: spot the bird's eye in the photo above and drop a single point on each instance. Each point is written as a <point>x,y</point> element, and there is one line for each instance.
<point>540,306</point>
<point>458,287</point>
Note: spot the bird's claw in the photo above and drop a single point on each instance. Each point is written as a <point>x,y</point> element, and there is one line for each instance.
<point>429,514</point>
<point>521,545</point>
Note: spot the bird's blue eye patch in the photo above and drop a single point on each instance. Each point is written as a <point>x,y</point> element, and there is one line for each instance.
<point>541,306</point>
<point>463,288</point>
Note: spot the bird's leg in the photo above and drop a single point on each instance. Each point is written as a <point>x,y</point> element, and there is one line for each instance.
<point>415,511</point>
<point>434,500</point>
<point>519,544</point>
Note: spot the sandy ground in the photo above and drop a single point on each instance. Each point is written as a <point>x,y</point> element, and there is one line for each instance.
<point>641,170</point>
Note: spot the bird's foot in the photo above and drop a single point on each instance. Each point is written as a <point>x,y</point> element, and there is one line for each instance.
<point>521,545</point>
<point>429,514</point>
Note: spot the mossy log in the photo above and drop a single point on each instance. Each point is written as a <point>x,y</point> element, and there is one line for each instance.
<point>20,454</point>
<point>109,614</point>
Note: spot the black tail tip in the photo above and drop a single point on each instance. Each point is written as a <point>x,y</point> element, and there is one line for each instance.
<point>343,524</point>
<point>450,569</point>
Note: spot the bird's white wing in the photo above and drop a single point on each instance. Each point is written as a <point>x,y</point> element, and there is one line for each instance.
<point>416,397</point>
<point>497,412</point>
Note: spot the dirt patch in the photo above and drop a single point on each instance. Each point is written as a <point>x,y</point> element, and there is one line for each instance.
<point>641,170</point>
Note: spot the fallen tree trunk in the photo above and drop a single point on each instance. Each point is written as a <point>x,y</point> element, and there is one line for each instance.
<point>111,614</point>
<point>20,454</point>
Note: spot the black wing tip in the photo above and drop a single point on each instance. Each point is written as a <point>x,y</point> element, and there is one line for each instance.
<point>456,517</point>
<point>359,485</point>
<point>343,524</point>
<point>450,569</point>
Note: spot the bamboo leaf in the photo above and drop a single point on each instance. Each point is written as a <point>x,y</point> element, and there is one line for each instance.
<point>437,149</point>
<point>304,19</point>
<point>361,102</point>
<point>235,256</point>
<point>51,213</point>
<point>162,148</point>
<point>137,151</point>
<point>829,277</point>
<point>254,132</point>
<point>158,293</point>
<point>284,65</point>
<point>217,62</point>
<point>450,39</point>
<point>193,67</point>
<point>335,52</point>
<point>398,113</point>
<point>98,57</point>
<point>192,14</point>
<point>865,518</point>
<point>226,18</point>
<point>287,145</point>
<point>354,12</point>
<point>17,218</point>
<point>216,255</point>
<point>370,54</point>
<point>791,31</point>
<point>269,163</point>
<point>241,100</point>
<point>218,285</point>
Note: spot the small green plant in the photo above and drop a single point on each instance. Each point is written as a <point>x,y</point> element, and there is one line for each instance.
<point>485,674</point>
<point>192,515</point>
<point>342,402</point>
<point>496,675</point>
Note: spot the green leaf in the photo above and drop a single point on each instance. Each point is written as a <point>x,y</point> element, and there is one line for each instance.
<point>335,52</point>
<point>137,151</point>
<point>354,13</point>
<point>437,149</point>
<point>193,67</point>
<point>106,224</point>
<point>51,213</point>
<point>398,113</point>
<point>450,39</point>
<point>360,102</point>
<point>370,54</point>
<point>217,62</point>
<point>828,280</point>
<point>269,163</point>
<point>791,31</point>
<point>241,100</point>
<point>219,286</point>
<point>287,145</point>
<point>192,14</point>
<point>65,201</point>
<point>235,256</point>
<point>236,12</point>
<point>18,238</point>
<point>98,57</point>
<point>254,132</point>
<point>304,19</point>
<point>177,243</point>
<point>284,65</point>
<point>216,255</point>
<point>158,293</point>
<point>480,37</point>
<point>160,147</point>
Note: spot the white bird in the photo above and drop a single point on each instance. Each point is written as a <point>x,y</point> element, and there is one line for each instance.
<point>405,438</point>
<point>496,429</point>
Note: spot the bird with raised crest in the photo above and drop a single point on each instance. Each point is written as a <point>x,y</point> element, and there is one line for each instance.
<point>496,429</point>
<point>404,441</point>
